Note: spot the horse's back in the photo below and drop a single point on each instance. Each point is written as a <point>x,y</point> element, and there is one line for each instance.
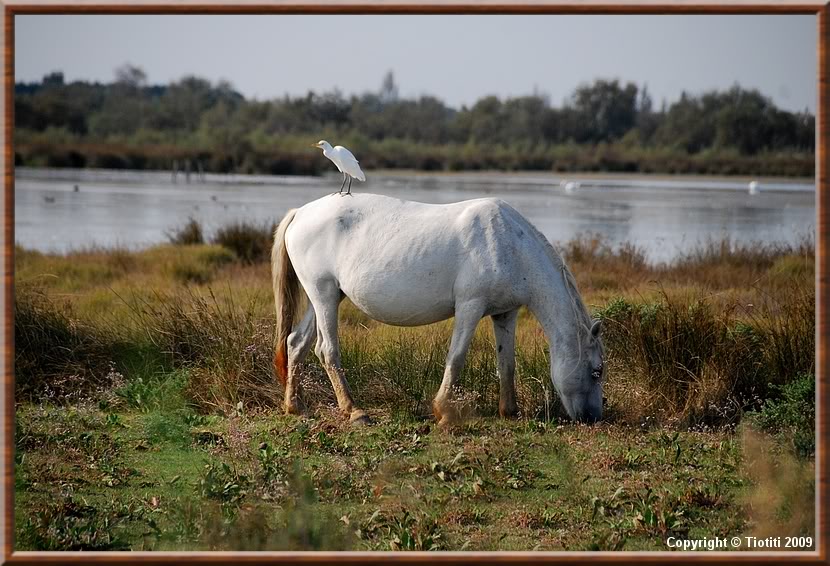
<point>402,262</point>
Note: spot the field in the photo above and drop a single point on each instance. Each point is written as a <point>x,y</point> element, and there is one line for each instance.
<point>148,416</point>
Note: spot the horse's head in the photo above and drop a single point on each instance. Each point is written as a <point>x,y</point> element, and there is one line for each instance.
<point>578,376</point>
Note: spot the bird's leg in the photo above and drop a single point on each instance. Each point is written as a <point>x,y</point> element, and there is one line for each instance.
<point>350,187</point>
<point>344,184</point>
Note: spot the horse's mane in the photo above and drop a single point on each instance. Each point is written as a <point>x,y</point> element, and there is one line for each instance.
<point>580,311</point>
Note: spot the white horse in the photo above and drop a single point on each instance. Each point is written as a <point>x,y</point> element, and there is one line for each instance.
<point>408,264</point>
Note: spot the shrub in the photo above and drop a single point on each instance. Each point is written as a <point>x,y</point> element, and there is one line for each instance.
<point>227,349</point>
<point>189,234</point>
<point>55,354</point>
<point>788,330</point>
<point>792,416</point>
<point>250,242</point>
<point>698,361</point>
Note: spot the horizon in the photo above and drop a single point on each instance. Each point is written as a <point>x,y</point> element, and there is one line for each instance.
<point>355,94</point>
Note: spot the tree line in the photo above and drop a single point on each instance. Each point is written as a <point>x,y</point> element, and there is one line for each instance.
<point>605,125</point>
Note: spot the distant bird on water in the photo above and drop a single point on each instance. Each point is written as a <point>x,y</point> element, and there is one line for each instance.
<point>345,162</point>
<point>753,188</point>
<point>569,186</point>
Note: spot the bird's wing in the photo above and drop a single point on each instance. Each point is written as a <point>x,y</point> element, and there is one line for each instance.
<point>348,163</point>
<point>345,154</point>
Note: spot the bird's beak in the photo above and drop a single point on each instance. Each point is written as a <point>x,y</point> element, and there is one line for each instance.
<point>315,145</point>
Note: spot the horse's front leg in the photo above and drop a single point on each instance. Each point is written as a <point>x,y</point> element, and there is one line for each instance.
<point>466,320</point>
<point>504,329</point>
<point>326,300</point>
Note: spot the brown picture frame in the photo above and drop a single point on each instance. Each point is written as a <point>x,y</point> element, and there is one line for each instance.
<point>642,7</point>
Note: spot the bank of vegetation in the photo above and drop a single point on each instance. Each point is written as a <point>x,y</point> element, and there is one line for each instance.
<point>608,125</point>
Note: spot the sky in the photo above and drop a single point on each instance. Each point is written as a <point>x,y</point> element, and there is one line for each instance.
<point>458,59</point>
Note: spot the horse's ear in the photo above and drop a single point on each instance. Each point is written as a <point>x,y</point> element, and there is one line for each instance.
<point>595,328</point>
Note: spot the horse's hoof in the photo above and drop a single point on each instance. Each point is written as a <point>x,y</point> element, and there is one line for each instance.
<point>445,414</point>
<point>359,418</point>
<point>440,416</point>
<point>509,413</point>
<point>447,423</point>
<point>293,410</point>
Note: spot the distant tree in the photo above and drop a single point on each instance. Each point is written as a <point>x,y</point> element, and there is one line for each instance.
<point>605,109</point>
<point>130,75</point>
<point>645,103</point>
<point>54,78</point>
<point>181,106</point>
<point>524,119</point>
<point>388,88</point>
<point>487,120</point>
<point>647,120</point>
<point>686,126</point>
<point>746,120</point>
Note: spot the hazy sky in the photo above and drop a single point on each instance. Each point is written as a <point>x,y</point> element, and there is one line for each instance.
<point>456,58</point>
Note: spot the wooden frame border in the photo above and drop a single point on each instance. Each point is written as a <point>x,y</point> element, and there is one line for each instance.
<point>642,7</point>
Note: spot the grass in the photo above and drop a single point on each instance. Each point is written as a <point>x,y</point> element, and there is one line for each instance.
<point>271,482</point>
<point>148,416</point>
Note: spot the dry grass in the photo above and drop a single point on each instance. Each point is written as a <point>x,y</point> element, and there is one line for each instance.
<point>697,341</point>
<point>56,355</point>
<point>703,363</point>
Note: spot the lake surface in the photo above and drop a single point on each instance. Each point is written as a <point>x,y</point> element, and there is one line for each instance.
<point>663,215</point>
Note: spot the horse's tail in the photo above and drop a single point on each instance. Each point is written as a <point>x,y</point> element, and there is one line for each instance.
<point>288,295</point>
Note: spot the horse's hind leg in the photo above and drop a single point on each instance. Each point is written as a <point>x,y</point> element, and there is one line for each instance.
<point>466,320</point>
<point>326,299</point>
<point>504,328</point>
<point>299,343</point>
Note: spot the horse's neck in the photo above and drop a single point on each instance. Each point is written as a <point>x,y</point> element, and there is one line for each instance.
<point>555,305</point>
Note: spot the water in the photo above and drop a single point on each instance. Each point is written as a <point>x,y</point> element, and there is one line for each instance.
<point>665,216</point>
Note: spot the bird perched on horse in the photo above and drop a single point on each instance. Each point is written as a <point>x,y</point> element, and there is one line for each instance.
<point>344,160</point>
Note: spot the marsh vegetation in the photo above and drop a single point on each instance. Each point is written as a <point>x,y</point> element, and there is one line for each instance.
<point>148,416</point>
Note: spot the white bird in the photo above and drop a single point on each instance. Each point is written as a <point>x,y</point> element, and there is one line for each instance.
<point>345,162</point>
<point>569,186</point>
<point>753,188</point>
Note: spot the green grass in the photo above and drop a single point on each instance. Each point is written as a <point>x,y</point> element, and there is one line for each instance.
<point>401,484</point>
